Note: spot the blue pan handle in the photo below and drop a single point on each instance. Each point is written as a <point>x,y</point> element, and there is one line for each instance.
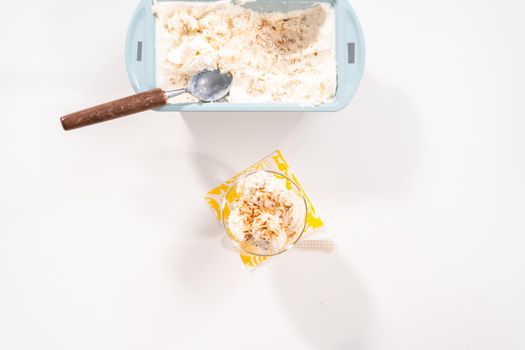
<point>350,55</point>
<point>139,48</point>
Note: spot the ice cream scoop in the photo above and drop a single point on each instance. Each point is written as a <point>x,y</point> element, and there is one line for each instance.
<point>206,85</point>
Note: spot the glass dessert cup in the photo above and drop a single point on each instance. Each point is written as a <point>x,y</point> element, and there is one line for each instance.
<point>297,212</point>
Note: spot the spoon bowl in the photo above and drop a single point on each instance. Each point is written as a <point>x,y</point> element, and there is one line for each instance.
<point>210,85</point>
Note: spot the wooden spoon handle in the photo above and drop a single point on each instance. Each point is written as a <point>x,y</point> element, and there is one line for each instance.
<point>115,109</point>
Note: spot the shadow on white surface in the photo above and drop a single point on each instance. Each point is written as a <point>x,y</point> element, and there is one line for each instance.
<point>383,140</point>
<point>211,171</point>
<point>371,148</point>
<point>323,299</point>
<point>209,271</point>
<point>170,189</point>
<point>241,136</point>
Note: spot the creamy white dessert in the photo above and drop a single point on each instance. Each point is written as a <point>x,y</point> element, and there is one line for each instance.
<point>273,57</point>
<point>268,216</point>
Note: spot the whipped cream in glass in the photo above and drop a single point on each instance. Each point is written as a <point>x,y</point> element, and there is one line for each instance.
<point>264,213</point>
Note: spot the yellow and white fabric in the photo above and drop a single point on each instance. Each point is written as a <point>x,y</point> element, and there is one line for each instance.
<point>274,162</point>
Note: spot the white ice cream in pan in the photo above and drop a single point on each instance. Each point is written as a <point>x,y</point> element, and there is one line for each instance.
<point>269,214</point>
<point>274,57</point>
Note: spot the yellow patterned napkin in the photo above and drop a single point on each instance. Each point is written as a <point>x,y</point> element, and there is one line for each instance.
<point>273,162</point>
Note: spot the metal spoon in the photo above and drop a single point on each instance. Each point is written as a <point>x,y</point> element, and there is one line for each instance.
<point>206,85</point>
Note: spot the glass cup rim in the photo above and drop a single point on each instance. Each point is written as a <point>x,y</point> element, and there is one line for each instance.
<point>234,185</point>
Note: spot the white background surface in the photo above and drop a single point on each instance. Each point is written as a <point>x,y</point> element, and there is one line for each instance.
<point>106,243</point>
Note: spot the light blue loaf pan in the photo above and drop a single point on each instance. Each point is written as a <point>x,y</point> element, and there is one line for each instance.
<point>350,53</point>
